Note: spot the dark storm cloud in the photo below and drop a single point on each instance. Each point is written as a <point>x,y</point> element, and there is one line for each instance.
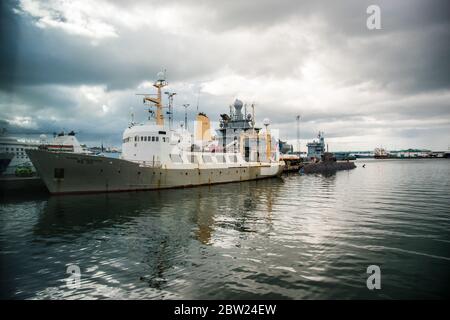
<point>46,56</point>
<point>39,56</point>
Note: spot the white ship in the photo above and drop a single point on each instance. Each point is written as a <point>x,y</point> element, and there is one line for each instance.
<point>156,156</point>
<point>13,150</point>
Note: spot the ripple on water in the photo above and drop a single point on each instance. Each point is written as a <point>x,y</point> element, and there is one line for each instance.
<point>299,237</point>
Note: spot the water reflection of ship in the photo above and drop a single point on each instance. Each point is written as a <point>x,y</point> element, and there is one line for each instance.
<point>235,210</point>
<point>156,230</point>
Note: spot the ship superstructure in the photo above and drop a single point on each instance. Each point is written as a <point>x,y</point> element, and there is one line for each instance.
<point>316,148</point>
<point>157,156</point>
<point>63,142</point>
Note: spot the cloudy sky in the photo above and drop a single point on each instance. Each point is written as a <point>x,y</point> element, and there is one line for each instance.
<point>76,65</point>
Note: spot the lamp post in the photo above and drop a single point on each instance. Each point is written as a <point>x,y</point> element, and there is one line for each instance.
<point>186,105</point>
<point>170,112</point>
<point>298,135</point>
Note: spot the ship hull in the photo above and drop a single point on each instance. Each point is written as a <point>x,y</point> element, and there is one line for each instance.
<point>65,173</point>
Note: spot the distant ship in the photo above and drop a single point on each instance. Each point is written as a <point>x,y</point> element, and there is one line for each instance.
<point>156,156</point>
<point>13,150</point>
<point>316,148</point>
<point>380,153</point>
<point>13,154</point>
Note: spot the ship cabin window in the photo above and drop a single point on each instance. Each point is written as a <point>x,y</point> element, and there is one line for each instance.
<point>142,138</point>
<point>207,159</point>
<point>156,139</point>
<point>233,159</point>
<point>176,158</point>
<point>153,138</point>
<point>220,159</point>
<point>193,158</point>
<point>149,138</point>
<point>164,139</point>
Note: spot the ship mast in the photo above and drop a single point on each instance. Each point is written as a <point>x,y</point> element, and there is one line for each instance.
<point>159,84</point>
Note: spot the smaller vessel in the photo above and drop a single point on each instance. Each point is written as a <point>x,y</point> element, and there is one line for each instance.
<point>316,148</point>
<point>14,154</point>
<point>380,153</point>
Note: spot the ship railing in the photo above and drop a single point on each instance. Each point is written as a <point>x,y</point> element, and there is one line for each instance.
<point>150,163</point>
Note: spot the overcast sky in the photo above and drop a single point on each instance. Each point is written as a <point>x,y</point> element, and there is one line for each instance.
<point>76,65</point>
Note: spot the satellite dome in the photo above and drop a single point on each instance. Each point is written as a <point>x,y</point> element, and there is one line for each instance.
<point>43,137</point>
<point>266,121</point>
<point>238,104</point>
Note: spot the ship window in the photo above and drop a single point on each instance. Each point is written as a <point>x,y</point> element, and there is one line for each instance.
<point>59,173</point>
<point>149,138</point>
<point>194,159</point>
<point>176,158</point>
<point>220,159</point>
<point>142,138</point>
<point>157,139</point>
<point>207,159</point>
<point>153,138</point>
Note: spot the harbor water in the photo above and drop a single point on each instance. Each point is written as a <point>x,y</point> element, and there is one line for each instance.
<point>294,237</point>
